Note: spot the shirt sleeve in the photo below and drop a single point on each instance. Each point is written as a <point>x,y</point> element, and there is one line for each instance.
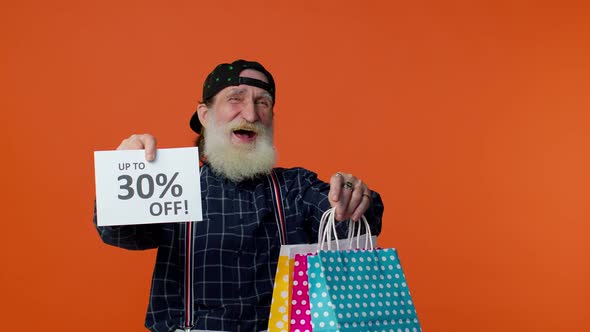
<point>132,237</point>
<point>313,194</point>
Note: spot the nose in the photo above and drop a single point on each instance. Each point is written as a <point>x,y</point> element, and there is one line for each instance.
<point>249,112</point>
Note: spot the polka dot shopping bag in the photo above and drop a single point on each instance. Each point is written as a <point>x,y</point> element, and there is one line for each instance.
<point>280,308</point>
<point>290,288</point>
<point>300,308</point>
<point>300,311</point>
<point>359,290</point>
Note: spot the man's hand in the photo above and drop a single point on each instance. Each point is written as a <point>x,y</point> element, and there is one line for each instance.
<point>138,142</point>
<point>349,195</point>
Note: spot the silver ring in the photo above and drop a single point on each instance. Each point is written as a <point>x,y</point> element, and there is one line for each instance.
<point>347,185</point>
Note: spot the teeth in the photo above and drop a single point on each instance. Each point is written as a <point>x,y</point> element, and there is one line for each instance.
<point>245,130</point>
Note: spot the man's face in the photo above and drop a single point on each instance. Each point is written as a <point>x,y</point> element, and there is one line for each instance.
<point>242,107</point>
<point>239,130</point>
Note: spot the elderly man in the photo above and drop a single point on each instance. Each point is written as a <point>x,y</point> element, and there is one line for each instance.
<point>218,274</point>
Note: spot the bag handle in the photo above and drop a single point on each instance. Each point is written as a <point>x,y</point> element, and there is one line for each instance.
<point>328,227</point>
<point>368,235</point>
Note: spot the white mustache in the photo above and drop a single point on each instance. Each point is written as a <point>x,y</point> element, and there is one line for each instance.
<point>256,127</point>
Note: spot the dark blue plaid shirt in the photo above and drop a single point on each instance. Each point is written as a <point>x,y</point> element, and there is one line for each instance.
<point>234,250</point>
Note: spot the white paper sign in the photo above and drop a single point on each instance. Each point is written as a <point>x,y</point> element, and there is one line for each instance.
<point>131,190</point>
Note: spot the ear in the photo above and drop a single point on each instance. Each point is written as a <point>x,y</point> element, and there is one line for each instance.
<point>203,111</point>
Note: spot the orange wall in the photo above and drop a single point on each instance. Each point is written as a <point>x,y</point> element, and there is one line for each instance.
<point>471,118</point>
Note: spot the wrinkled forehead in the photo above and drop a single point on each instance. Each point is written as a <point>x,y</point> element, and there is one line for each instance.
<point>245,90</point>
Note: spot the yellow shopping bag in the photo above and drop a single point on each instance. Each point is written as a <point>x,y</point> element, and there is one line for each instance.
<point>280,308</point>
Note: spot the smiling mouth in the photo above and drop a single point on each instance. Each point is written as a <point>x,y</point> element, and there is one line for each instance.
<point>245,134</point>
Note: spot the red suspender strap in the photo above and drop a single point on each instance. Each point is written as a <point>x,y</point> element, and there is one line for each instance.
<point>188,276</point>
<point>278,205</point>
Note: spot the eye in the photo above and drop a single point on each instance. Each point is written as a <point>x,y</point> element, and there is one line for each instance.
<point>263,102</point>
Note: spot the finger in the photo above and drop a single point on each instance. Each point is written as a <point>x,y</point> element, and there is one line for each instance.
<point>355,199</point>
<point>342,211</point>
<point>362,207</point>
<point>336,182</point>
<point>138,142</point>
<point>149,143</point>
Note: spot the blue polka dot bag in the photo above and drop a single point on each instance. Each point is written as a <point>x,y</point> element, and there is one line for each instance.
<point>358,290</point>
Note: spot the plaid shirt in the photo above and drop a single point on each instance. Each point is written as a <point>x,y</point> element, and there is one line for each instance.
<point>229,271</point>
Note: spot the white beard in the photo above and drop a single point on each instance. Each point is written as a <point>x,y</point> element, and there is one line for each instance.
<point>239,162</point>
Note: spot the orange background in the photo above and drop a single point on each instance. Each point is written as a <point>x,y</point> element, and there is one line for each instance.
<point>471,118</point>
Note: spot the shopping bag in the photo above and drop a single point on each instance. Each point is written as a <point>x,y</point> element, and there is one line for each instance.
<point>359,290</point>
<point>282,296</point>
<point>300,308</point>
<point>280,308</point>
<point>280,304</point>
<point>300,312</point>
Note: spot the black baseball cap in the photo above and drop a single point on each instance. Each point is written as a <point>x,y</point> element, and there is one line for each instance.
<point>228,74</point>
